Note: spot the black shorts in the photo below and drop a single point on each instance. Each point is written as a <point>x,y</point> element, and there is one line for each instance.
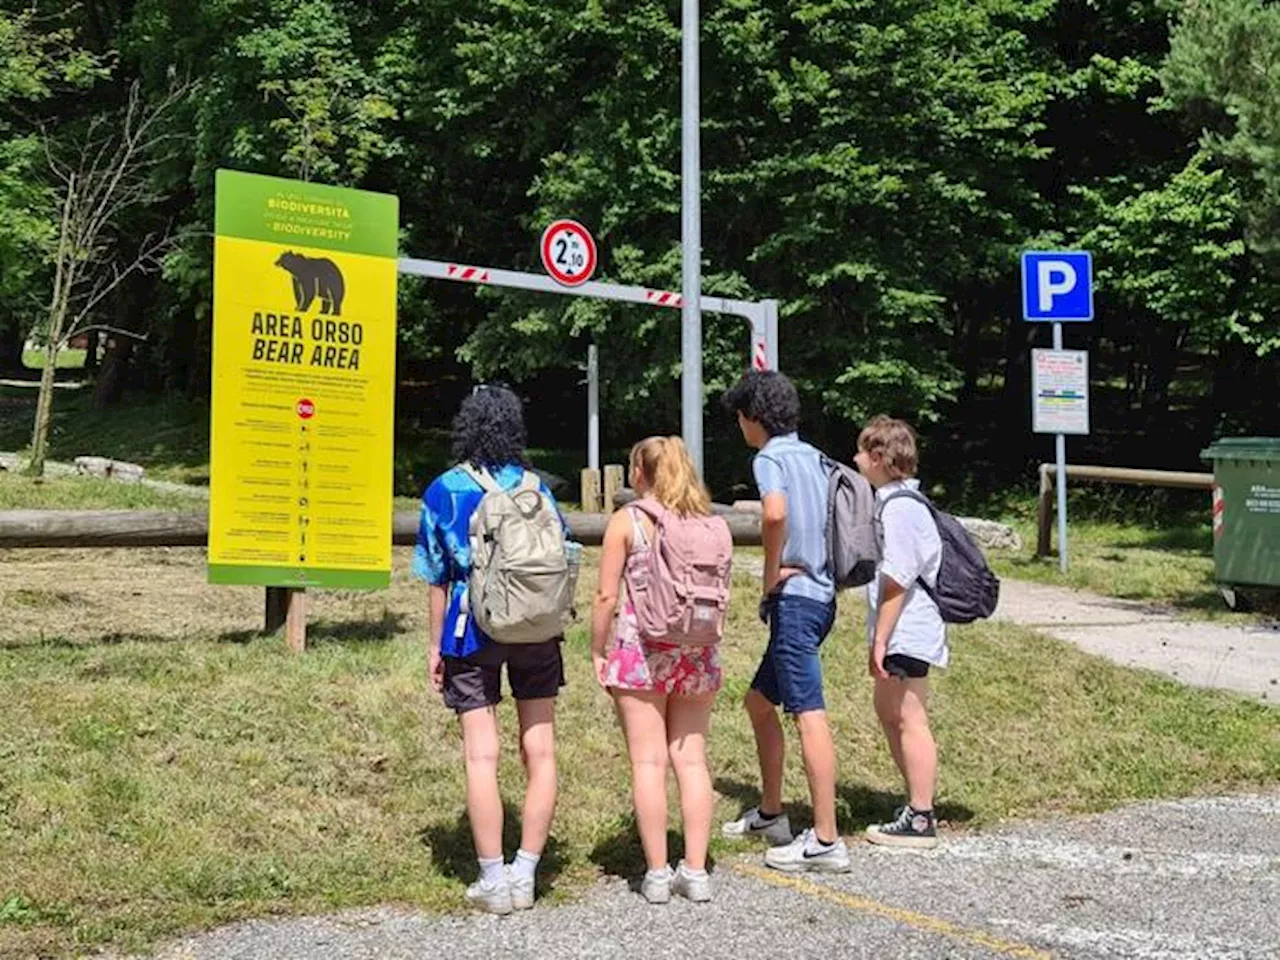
<point>905,668</point>
<point>534,670</point>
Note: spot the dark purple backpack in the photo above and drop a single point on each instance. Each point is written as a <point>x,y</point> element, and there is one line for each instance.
<point>967,590</point>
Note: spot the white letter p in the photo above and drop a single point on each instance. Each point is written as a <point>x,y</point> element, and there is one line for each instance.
<point>1054,277</point>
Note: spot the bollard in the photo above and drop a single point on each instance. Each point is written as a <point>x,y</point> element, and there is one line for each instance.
<point>590,491</point>
<point>613,482</point>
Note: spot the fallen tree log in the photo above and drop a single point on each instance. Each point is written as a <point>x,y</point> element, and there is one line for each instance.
<point>155,528</point>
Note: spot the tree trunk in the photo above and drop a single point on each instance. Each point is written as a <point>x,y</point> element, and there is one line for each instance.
<point>91,363</point>
<point>11,343</point>
<point>110,384</point>
<point>44,411</point>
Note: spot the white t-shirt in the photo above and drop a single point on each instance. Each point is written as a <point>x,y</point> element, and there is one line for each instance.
<point>912,552</point>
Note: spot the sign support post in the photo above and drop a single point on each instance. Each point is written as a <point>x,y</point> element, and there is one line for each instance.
<point>1057,287</point>
<point>593,407</point>
<point>1060,443</point>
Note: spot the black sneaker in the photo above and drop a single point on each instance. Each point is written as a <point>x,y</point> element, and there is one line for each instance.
<point>915,829</point>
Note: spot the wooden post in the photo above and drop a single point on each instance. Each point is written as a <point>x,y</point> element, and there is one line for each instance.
<point>1044,512</point>
<point>590,491</point>
<point>287,608</point>
<point>295,629</point>
<point>277,609</point>
<point>613,482</point>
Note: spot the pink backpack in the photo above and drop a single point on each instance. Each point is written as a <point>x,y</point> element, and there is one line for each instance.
<point>680,587</point>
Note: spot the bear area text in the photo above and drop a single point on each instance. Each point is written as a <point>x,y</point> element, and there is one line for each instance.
<point>279,338</point>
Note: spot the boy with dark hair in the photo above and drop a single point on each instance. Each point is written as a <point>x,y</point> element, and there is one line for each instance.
<point>799,606</point>
<point>466,665</point>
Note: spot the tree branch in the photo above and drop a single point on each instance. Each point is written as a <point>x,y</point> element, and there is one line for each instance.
<point>103,328</point>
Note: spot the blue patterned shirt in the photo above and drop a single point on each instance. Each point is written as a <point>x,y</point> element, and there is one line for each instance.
<point>442,556</point>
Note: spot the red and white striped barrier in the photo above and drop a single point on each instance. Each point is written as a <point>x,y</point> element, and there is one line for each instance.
<point>1219,510</point>
<point>469,274</point>
<point>664,298</point>
<point>759,355</point>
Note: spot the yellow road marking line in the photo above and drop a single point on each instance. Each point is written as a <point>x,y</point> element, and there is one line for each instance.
<point>919,921</point>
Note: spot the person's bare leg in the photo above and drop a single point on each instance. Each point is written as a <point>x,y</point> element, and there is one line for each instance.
<point>771,747</point>
<point>888,703</point>
<point>919,751</point>
<point>819,751</point>
<point>538,751</point>
<point>643,717</point>
<point>688,720</point>
<point>484,803</point>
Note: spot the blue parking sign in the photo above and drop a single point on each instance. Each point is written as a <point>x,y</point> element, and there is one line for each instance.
<point>1057,286</point>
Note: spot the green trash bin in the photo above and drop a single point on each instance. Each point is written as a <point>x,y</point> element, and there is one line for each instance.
<point>1246,515</point>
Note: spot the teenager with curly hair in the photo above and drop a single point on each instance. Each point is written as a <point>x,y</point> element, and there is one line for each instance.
<point>466,665</point>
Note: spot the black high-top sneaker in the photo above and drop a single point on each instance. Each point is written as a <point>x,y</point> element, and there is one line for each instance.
<point>916,829</point>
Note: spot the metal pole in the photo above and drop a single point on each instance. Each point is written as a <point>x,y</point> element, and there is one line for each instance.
<point>1061,445</point>
<point>593,407</point>
<point>771,332</point>
<point>690,238</point>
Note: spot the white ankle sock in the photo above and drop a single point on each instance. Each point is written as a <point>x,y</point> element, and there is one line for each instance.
<point>662,873</point>
<point>525,864</point>
<point>491,874</point>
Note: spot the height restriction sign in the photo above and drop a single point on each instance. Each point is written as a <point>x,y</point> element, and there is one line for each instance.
<point>568,252</point>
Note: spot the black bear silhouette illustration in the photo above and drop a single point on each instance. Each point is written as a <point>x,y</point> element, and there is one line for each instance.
<point>315,277</point>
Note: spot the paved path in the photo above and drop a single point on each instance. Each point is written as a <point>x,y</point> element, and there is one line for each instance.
<point>1203,654</point>
<point>1187,879</point>
<point>1244,659</point>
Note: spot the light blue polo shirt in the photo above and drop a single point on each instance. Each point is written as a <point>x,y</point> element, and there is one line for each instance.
<point>788,465</point>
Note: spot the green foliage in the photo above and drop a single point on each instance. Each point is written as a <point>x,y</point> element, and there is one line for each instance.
<point>37,58</point>
<point>875,166</point>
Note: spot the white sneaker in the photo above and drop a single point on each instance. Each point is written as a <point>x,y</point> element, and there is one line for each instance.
<point>777,831</point>
<point>656,888</point>
<point>690,885</point>
<point>521,890</point>
<point>804,853</point>
<point>491,899</point>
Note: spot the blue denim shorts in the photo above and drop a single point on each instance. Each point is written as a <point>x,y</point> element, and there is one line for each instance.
<point>790,673</point>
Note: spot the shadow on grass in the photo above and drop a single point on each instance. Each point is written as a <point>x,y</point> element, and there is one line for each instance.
<point>113,639</point>
<point>385,628</point>
<point>621,855</point>
<point>453,851</point>
<point>856,806</point>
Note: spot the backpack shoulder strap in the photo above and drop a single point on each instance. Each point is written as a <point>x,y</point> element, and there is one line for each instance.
<point>529,482</point>
<point>919,497</point>
<point>481,476</point>
<point>651,508</point>
<point>908,494</point>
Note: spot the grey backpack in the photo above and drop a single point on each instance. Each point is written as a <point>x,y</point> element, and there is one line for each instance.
<point>967,590</point>
<point>853,549</point>
<point>522,584</point>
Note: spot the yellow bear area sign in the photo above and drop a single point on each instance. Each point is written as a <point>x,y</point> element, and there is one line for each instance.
<point>304,341</point>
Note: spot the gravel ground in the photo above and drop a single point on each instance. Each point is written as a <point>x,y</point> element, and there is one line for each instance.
<point>1186,879</point>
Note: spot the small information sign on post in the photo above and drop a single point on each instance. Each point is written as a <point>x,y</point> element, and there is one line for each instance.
<point>1060,391</point>
<point>1057,288</point>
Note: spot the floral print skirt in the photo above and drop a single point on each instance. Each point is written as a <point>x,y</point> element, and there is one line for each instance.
<point>669,668</point>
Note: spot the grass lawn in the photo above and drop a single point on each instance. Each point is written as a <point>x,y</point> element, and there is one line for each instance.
<point>68,359</point>
<point>166,768</point>
<point>170,437</point>
<point>1170,567</point>
<point>18,492</point>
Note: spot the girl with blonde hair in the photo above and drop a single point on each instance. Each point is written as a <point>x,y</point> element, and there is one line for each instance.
<point>658,657</point>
